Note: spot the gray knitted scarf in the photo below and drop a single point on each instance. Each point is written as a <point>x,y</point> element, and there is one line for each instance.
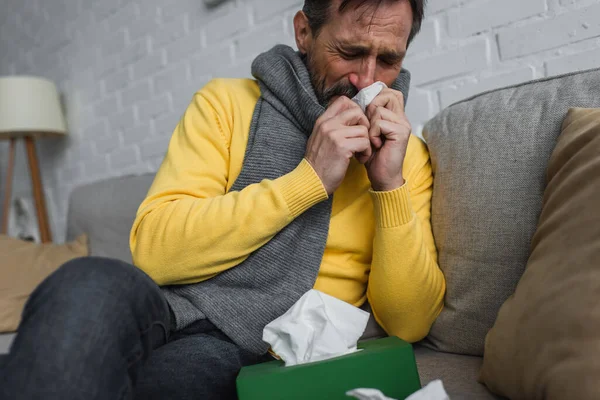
<point>243,299</point>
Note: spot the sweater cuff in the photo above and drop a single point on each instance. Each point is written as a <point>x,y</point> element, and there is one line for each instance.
<point>392,208</point>
<point>302,188</point>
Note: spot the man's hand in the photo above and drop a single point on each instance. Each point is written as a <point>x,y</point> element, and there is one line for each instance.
<point>341,133</point>
<point>389,134</point>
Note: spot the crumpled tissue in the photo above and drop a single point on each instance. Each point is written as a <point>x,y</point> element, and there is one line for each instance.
<point>316,328</point>
<point>367,394</point>
<point>366,96</point>
<point>433,391</point>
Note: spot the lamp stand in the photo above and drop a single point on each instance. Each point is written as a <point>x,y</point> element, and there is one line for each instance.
<point>8,188</point>
<point>36,185</point>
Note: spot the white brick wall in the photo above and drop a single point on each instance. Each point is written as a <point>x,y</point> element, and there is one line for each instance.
<point>479,16</point>
<point>128,69</point>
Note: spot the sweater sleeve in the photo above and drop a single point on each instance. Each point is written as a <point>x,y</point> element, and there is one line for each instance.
<point>406,287</point>
<point>189,228</point>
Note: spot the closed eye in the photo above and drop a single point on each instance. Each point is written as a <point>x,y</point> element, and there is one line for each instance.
<point>352,52</point>
<point>390,60</point>
<point>350,55</point>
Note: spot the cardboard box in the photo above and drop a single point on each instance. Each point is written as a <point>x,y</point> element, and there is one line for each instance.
<point>386,364</point>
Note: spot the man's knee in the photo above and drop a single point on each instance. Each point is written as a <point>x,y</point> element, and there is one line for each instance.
<point>100,284</point>
<point>87,275</point>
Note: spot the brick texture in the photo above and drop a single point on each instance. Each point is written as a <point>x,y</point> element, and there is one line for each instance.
<point>452,63</point>
<point>428,38</point>
<point>565,28</point>
<point>127,70</point>
<point>480,16</point>
<point>574,62</point>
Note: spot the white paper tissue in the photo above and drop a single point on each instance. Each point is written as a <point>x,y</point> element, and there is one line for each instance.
<point>366,96</point>
<point>433,391</point>
<point>368,394</point>
<point>316,328</point>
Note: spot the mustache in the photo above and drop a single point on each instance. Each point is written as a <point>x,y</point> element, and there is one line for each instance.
<point>340,89</point>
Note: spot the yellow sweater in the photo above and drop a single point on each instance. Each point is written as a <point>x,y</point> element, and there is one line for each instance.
<point>380,245</point>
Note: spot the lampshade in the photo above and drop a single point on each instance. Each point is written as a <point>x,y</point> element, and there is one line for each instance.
<point>30,106</point>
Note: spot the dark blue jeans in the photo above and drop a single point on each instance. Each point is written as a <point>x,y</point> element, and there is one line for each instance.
<point>100,329</point>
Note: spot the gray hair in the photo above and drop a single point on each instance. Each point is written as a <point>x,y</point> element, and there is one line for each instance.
<point>318,12</point>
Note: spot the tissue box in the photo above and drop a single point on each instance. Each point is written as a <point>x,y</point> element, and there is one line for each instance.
<point>386,364</point>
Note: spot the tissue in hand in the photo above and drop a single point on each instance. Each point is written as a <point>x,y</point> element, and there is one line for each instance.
<point>366,96</point>
<point>317,327</point>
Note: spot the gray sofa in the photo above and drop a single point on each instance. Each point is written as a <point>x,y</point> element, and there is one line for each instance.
<point>105,211</point>
<point>489,155</point>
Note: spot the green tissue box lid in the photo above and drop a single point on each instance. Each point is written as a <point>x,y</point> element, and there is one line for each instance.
<point>386,364</point>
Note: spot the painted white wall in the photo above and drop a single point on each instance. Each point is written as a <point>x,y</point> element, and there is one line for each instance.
<point>128,69</point>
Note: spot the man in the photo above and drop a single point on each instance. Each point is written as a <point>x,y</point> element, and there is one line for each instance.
<point>269,188</point>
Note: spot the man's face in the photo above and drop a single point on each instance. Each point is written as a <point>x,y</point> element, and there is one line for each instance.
<point>358,48</point>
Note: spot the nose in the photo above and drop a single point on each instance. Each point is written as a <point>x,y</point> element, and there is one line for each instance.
<point>365,75</point>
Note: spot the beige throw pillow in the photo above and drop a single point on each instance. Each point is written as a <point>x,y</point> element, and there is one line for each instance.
<point>23,266</point>
<point>545,343</point>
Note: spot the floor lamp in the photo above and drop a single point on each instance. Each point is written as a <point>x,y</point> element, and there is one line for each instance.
<point>29,108</point>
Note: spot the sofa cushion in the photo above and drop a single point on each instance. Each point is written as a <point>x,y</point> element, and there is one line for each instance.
<point>458,373</point>
<point>23,266</point>
<point>489,156</point>
<point>545,342</point>
<point>105,211</point>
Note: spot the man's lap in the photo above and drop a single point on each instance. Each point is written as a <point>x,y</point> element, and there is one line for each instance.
<point>197,362</point>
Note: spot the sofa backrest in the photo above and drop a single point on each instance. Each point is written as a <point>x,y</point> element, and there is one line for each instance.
<point>105,211</point>
<point>489,155</point>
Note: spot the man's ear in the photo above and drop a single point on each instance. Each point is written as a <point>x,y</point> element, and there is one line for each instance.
<point>302,32</point>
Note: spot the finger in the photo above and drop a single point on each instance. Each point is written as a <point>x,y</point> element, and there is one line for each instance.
<point>382,131</point>
<point>340,105</point>
<point>381,114</point>
<point>363,157</point>
<point>352,132</point>
<point>349,118</point>
<point>387,99</point>
<point>353,116</point>
<point>375,131</point>
<point>375,136</point>
<point>385,114</point>
<point>358,145</point>
<point>392,131</point>
<point>400,97</point>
